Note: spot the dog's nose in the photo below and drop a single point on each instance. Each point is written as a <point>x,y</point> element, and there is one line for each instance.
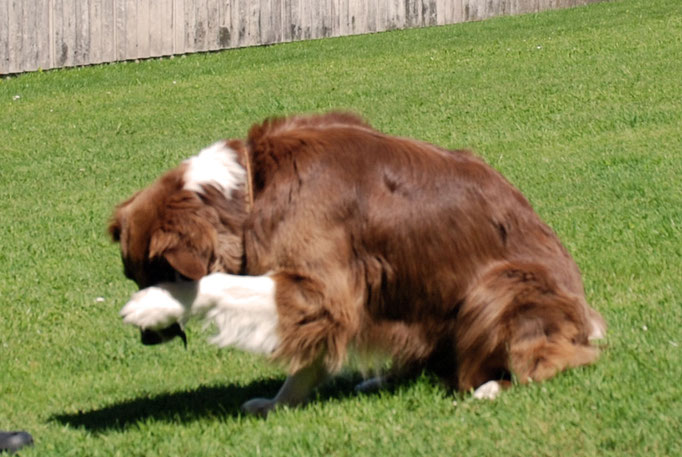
<point>151,337</point>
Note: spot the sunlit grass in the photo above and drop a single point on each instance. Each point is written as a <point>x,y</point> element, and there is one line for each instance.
<point>581,109</point>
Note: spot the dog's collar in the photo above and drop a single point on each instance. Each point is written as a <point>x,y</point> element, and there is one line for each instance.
<point>248,185</point>
<point>248,196</point>
<point>249,180</point>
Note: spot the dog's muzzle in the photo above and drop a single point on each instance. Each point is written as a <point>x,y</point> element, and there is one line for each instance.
<point>151,337</point>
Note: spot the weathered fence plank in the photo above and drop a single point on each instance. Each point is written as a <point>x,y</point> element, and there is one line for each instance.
<point>252,22</point>
<point>108,24</point>
<point>224,24</point>
<point>129,14</point>
<point>156,30</point>
<point>212,24</point>
<point>4,36</point>
<point>62,33</point>
<point>14,32</point>
<point>143,30</point>
<point>39,34</point>
<point>94,13</point>
<point>82,33</point>
<point>65,33</point>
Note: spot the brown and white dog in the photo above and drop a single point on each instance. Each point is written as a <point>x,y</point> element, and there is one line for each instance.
<point>319,235</point>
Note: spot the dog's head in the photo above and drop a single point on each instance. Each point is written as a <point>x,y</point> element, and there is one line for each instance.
<point>186,224</point>
<point>165,234</point>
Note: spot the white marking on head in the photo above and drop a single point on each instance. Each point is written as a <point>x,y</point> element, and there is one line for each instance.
<point>215,166</point>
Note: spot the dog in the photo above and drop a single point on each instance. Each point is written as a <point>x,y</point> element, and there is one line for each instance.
<point>318,236</point>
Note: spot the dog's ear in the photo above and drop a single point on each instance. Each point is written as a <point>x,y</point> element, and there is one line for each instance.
<point>187,241</point>
<point>185,258</point>
<point>115,228</point>
<point>116,221</point>
<point>187,263</point>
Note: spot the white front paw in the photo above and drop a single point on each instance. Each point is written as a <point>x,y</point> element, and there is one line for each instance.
<point>152,308</point>
<point>259,406</point>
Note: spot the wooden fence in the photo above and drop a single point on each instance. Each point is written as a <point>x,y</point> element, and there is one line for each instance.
<point>45,34</point>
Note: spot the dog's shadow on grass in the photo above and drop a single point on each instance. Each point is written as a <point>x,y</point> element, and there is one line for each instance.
<point>220,402</point>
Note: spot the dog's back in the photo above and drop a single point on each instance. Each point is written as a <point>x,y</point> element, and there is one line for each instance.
<point>393,244</point>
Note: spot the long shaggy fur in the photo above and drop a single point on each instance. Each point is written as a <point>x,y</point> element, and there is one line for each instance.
<point>375,243</point>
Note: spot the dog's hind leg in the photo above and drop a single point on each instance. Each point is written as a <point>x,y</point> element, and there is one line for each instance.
<point>516,320</point>
<point>294,391</point>
<point>316,320</point>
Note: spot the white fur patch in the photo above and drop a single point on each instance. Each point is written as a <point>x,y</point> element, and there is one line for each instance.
<point>488,391</point>
<point>215,166</point>
<point>242,307</point>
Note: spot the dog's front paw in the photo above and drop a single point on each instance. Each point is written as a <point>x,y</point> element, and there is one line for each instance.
<point>152,308</point>
<point>259,406</point>
<point>371,385</point>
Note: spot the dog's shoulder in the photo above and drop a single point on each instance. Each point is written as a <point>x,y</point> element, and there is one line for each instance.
<point>283,148</point>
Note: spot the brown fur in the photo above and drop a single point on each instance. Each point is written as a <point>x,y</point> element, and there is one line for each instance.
<point>376,243</point>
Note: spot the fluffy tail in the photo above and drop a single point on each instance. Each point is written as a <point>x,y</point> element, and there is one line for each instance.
<point>515,320</point>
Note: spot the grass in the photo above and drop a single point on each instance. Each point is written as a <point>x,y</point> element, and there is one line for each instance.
<point>581,109</point>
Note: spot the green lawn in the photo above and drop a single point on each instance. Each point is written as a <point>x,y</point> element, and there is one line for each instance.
<point>581,109</point>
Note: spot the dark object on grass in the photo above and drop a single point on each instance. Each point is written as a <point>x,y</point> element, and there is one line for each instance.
<point>151,337</point>
<point>13,441</point>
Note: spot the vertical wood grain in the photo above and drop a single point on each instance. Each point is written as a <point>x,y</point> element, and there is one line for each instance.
<point>4,38</point>
<point>82,32</point>
<point>95,38</point>
<point>142,29</point>
<point>61,33</point>
<point>107,31</point>
<point>225,35</point>
<point>120,43</point>
<point>40,24</point>
<point>15,35</point>
<point>213,20</point>
<point>155,27</point>
<point>179,27</point>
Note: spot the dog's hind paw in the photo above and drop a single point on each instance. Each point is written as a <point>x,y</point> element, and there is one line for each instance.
<point>259,406</point>
<point>488,391</point>
<point>152,308</point>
